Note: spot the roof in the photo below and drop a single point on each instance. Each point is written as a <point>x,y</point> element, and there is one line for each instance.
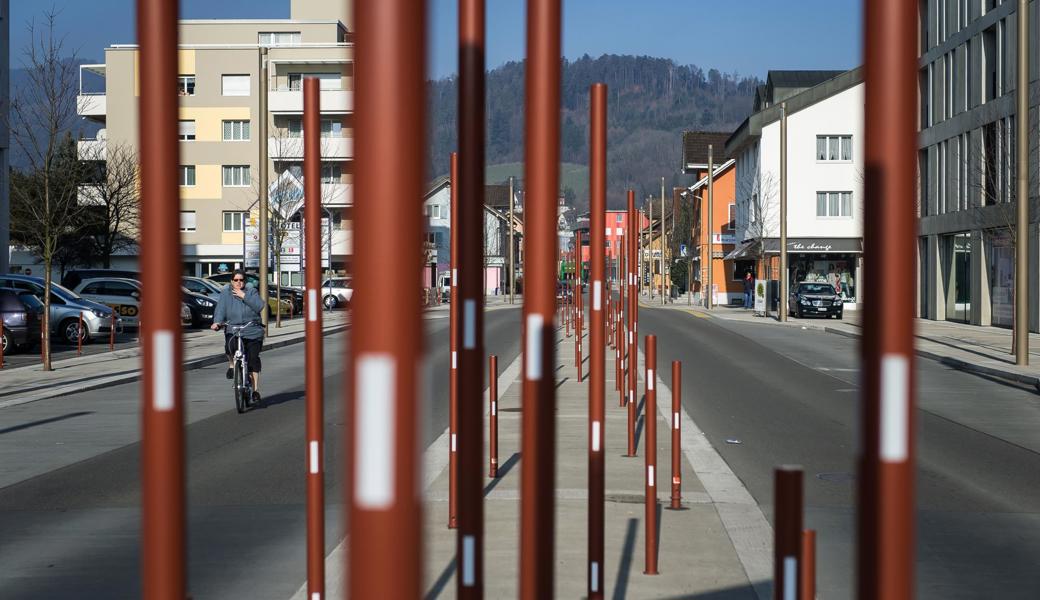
<point>435,186</point>
<point>719,169</point>
<point>831,84</point>
<point>695,148</point>
<point>497,196</point>
<point>781,85</point>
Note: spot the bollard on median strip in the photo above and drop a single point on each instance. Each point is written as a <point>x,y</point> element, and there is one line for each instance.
<point>493,416</point>
<point>807,573</point>
<point>787,523</point>
<point>633,327</point>
<point>650,452</point>
<point>453,342</point>
<point>676,436</point>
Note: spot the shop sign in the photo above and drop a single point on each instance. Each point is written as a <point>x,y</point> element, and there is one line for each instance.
<point>724,238</point>
<point>760,296</point>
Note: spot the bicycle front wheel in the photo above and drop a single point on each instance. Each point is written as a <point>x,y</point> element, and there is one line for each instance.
<point>240,389</point>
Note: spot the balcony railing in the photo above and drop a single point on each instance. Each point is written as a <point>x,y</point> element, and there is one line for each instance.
<point>92,105</point>
<point>96,149</point>
<point>288,100</point>
<point>332,148</point>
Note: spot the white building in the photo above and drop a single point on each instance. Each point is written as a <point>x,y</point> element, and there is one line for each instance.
<point>824,178</point>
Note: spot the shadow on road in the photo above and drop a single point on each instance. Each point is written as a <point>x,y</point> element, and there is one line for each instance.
<point>31,424</point>
<point>625,563</point>
<point>502,471</point>
<point>442,581</point>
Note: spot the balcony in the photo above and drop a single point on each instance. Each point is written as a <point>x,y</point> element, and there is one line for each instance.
<point>92,106</point>
<point>91,101</point>
<point>342,242</point>
<point>96,149</point>
<point>337,194</point>
<point>290,101</point>
<point>332,148</point>
<point>89,194</point>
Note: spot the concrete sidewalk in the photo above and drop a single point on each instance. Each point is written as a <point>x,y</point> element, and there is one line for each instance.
<point>719,543</point>
<point>201,348</point>
<point>971,348</point>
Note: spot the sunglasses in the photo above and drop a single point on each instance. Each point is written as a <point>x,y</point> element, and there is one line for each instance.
<point>238,280</point>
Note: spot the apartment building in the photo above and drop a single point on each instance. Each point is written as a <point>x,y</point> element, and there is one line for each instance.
<point>825,172</point>
<point>241,108</point>
<point>966,156</point>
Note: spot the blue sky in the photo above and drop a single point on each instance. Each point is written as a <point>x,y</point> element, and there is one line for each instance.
<point>744,36</point>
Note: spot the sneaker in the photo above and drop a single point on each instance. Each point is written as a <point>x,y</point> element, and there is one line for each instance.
<point>230,373</point>
<point>256,398</point>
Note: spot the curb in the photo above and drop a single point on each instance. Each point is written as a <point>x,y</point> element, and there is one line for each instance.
<point>135,375</point>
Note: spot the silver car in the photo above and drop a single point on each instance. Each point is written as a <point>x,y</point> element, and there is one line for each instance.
<point>120,294</point>
<point>66,309</point>
<point>336,292</point>
<point>202,286</point>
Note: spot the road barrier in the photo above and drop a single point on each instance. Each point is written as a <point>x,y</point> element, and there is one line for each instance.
<point>385,546</point>
<point>633,327</point>
<point>541,170</point>
<point>676,435</point>
<point>453,324</point>
<point>111,334</point>
<point>597,332</point>
<point>579,305</point>
<point>650,452</point>
<point>885,506</point>
<point>79,336</point>
<point>314,367</point>
<point>493,416</point>
<point>787,523</point>
<point>163,533</point>
<point>807,574</point>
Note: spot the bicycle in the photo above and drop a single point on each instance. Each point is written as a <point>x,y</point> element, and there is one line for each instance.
<point>243,384</point>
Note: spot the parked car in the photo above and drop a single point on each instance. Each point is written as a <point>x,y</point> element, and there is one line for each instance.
<point>119,294</point>
<point>290,294</point>
<point>20,313</point>
<point>815,299</point>
<point>336,292</point>
<point>66,308</point>
<point>212,289</point>
<point>201,307</point>
<point>73,278</point>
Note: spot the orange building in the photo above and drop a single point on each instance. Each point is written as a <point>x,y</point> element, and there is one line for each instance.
<point>713,242</point>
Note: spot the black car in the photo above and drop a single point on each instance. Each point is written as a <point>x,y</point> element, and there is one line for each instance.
<point>815,299</point>
<point>76,276</point>
<point>21,314</point>
<point>289,294</point>
<point>201,307</point>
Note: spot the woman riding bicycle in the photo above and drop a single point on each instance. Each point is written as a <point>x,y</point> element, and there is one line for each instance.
<point>240,305</point>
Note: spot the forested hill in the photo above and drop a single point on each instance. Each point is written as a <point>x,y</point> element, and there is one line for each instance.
<point>650,102</point>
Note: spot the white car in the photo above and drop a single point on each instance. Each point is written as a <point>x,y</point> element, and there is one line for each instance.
<point>336,292</point>
<point>122,295</point>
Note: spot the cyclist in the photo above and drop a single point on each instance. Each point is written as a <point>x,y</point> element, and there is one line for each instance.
<point>241,305</point>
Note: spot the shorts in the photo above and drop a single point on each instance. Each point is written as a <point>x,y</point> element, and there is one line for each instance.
<point>252,348</point>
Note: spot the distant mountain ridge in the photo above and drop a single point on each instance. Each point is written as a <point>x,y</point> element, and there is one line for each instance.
<point>650,102</point>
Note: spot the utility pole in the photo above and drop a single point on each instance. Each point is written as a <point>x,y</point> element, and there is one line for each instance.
<point>710,293</point>
<point>662,245</point>
<point>265,238</point>
<point>512,264</point>
<point>782,313</point>
<point>649,252</point>
<point>1022,192</point>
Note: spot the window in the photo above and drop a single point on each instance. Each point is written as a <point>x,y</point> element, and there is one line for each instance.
<point>236,131</point>
<point>186,85</point>
<point>187,220</point>
<point>280,38</point>
<point>236,175</point>
<point>732,224</point>
<point>232,221</point>
<point>330,173</point>
<point>833,204</point>
<point>186,130</point>
<point>836,148</point>
<point>620,218</point>
<point>326,81</point>
<point>234,85</point>
<point>187,175</point>
<point>295,128</point>
<point>331,128</point>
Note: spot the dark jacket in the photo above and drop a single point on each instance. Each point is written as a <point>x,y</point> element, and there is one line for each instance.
<point>239,311</point>
<point>749,285</point>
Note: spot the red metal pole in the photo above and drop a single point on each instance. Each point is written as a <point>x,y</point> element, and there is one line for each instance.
<point>453,325</point>
<point>597,333</point>
<point>633,326</point>
<point>79,336</point>
<point>493,418</point>
<point>676,435</point>
<point>541,170</point>
<point>787,523</point>
<point>385,496</point>
<point>620,343</point>
<point>163,543</point>
<point>315,430</point>
<point>650,422</point>
<point>808,570</point>
<point>578,304</point>
<point>470,416</point>
<point>112,333</point>
<point>885,553</point>
<point>1,344</point>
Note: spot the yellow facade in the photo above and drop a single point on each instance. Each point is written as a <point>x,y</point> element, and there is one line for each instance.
<point>208,183</point>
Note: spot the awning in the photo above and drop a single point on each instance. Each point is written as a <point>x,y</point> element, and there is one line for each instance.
<point>750,249</point>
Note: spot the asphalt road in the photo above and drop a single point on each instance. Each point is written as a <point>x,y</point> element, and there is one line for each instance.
<point>790,396</point>
<point>69,488</point>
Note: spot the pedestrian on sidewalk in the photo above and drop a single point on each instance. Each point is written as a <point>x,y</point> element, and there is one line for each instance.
<point>749,290</point>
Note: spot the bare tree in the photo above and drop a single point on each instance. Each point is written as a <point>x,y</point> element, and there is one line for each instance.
<point>758,210</point>
<point>112,199</point>
<point>42,115</point>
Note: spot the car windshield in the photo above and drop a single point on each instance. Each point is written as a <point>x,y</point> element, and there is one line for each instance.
<point>816,288</point>
<point>30,301</point>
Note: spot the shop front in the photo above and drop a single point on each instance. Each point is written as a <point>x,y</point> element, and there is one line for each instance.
<point>837,261</point>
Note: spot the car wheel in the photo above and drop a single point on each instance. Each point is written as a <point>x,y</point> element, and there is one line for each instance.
<point>838,316</point>
<point>71,333</point>
<point>5,342</point>
<point>798,312</point>
<point>330,302</point>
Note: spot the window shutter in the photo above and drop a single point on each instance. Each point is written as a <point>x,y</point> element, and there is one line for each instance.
<point>186,128</point>
<point>235,85</point>
<point>187,220</point>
